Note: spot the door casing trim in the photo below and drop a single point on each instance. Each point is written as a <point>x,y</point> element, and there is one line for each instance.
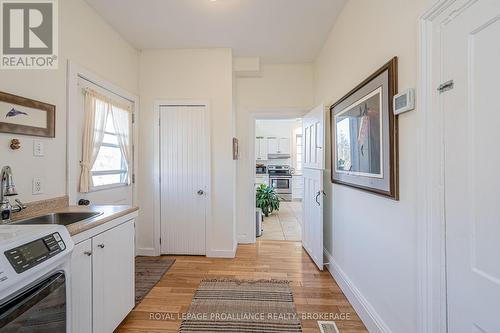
<point>431,223</point>
<point>74,72</point>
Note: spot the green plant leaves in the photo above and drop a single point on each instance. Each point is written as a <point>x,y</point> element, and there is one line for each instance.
<point>267,199</point>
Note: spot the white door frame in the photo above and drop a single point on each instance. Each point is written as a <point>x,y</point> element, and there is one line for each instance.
<point>156,170</point>
<point>74,72</point>
<point>432,302</point>
<point>273,114</point>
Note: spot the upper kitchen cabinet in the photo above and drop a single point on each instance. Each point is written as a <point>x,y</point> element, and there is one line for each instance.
<point>279,146</point>
<point>284,146</point>
<point>261,148</point>
<point>272,145</point>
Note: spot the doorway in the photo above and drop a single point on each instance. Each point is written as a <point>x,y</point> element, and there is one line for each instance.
<point>184,158</point>
<point>278,168</point>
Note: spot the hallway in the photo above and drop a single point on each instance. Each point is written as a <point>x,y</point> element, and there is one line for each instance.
<point>315,293</point>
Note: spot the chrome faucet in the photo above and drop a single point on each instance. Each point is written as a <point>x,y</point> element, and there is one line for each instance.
<point>7,189</point>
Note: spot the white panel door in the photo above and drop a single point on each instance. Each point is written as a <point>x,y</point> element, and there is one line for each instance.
<point>471,58</point>
<point>312,202</point>
<point>312,222</point>
<point>113,295</point>
<point>184,179</point>
<point>313,136</point>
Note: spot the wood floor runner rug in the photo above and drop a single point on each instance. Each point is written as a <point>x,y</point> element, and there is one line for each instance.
<point>221,305</point>
<point>148,271</point>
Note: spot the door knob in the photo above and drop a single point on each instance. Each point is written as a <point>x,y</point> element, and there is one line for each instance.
<point>200,192</point>
<point>88,253</point>
<point>101,246</point>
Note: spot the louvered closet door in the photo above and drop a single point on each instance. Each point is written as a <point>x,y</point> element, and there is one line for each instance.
<point>183,169</point>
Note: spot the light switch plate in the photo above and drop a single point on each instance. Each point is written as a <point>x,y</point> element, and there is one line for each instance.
<point>37,186</point>
<point>38,148</point>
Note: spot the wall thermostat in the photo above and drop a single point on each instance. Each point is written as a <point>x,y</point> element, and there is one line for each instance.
<point>404,101</point>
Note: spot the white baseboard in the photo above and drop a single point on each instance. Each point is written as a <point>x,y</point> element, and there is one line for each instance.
<point>364,309</point>
<point>150,252</point>
<point>245,239</point>
<point>222,253</point>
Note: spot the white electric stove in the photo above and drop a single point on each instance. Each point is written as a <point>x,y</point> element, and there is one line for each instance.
<point>34,275</point>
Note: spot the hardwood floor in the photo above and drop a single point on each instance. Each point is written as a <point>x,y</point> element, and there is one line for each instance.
<point>315,292</point>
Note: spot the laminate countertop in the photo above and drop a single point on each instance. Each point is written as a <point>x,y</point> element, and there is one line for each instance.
<point>109,213</point>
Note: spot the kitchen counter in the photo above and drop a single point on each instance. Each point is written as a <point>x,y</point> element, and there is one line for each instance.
<point>109,212</point>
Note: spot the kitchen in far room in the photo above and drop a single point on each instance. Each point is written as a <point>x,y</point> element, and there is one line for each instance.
<point>278,178</point>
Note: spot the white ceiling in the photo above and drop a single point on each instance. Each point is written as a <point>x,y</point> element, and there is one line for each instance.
<point>276,30</point>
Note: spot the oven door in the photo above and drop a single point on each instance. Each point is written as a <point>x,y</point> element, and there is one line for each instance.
<point>41,308</point>
<point>281,185</point>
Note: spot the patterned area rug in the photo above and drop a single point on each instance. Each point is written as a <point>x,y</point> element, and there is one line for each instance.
<point>148,271</point>
<point>221,305</point>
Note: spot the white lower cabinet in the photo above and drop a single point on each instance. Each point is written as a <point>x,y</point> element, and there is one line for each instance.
<point>81,287</point>
<point>102,286</point>
<point>297,187</point>
<point>261,179</point>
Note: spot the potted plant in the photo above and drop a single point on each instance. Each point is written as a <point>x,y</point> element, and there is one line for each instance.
<point>267,199</point>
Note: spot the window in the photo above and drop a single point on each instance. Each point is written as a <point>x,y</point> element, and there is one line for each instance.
<point>110,167</point>
<point>298,149</point>
<point>107,149</point>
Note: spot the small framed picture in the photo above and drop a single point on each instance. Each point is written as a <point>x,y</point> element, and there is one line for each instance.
<point>20,115</point>
<point>235,149</point>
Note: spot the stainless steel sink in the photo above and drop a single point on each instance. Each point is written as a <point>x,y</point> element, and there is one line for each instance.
<point>59,218</point>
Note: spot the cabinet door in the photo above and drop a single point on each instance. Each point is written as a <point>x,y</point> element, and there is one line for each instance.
<point>263,148</point>
<point>297,187</point>
<point>284,146</point>
<point>261,179</point>
<point>81,287</point>
<point>113,276</point>
<point>257,148</point>
<point>272,145</point>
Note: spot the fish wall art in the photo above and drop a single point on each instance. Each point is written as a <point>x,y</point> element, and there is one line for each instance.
<point>21,115</point>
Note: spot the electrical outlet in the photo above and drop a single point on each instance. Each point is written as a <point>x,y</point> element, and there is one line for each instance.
<point>37,186</point>
<point>38,148</point>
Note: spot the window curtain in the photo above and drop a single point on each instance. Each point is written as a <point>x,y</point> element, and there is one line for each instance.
<point>96,110</point>
<point>122,121</point>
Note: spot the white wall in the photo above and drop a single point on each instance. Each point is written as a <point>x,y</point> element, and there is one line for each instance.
<point>373,239</point>
<point>86,39</point>
<point>281,89</point>
<point>203,74</point>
